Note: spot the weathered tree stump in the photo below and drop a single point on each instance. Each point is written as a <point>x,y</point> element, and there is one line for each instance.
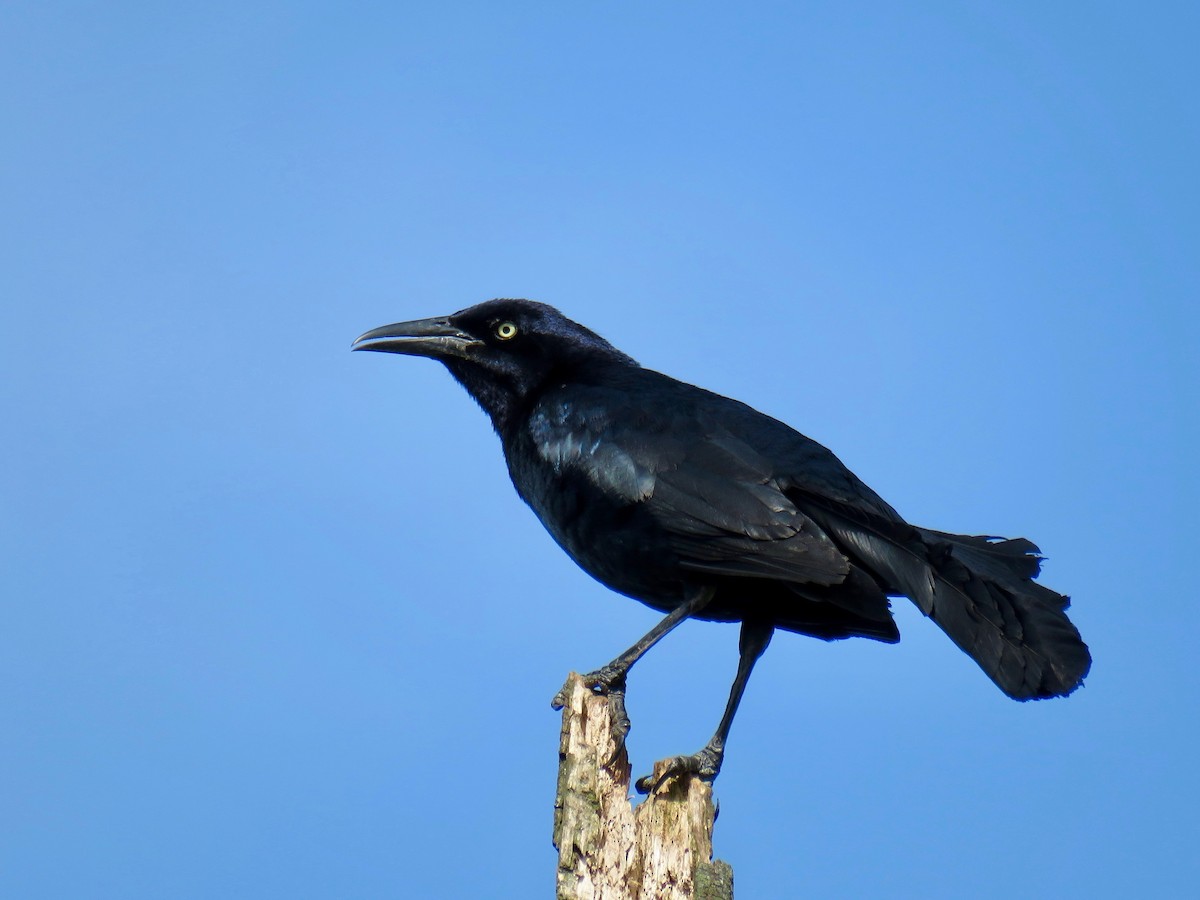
<point>607,850</point>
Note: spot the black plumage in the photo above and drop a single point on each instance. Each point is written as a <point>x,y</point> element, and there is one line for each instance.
<point>703,507</point>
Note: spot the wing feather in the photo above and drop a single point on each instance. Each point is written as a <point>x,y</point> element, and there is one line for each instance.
<point>714,496</point>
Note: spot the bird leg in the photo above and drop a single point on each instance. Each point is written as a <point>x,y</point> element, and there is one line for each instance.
<point>610,679</point>
<point>706,763</point>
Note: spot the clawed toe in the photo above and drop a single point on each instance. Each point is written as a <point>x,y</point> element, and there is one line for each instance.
<point>705,765</point>
<point>559,700</point>
<point>608,681</point>
<point>619,723</point>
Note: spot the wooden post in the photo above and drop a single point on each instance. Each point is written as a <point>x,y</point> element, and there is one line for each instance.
<point>607,850</point>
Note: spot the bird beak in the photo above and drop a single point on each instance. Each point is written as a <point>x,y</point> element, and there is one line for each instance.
<point>435,338</point>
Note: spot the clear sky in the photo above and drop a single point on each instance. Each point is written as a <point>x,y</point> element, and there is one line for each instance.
<point>275,623</point>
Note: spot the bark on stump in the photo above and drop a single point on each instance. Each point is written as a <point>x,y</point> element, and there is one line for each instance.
<point>607,850</point>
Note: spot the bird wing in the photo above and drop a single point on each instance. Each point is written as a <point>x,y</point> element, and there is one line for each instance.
<point>713,495</point>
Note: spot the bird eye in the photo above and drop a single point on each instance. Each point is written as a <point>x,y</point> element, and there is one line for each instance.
<point>506,331</point>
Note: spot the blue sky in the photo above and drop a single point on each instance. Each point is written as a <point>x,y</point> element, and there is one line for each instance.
<point>276,624</point>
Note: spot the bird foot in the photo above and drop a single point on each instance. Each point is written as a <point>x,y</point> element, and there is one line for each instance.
<point>704,764</point>
<point>607,681</point>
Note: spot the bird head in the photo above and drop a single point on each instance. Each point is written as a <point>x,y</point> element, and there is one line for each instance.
<point>501,351</point>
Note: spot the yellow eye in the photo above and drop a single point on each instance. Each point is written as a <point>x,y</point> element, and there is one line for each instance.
<point>506,331</point>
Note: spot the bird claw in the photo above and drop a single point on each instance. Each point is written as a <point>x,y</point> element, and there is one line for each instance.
<point>619,723</point>
<point>559,700</point>
<point>606,681</point>
<point>705,764</point>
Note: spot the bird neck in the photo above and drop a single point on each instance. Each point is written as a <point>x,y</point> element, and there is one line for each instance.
<point>503,395</point>
<point>508,396</point>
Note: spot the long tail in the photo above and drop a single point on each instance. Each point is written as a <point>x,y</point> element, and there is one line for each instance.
<point>984,597</point>
<point>981,591</point>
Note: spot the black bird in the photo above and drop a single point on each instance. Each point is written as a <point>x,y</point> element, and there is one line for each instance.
<point>701,507</point>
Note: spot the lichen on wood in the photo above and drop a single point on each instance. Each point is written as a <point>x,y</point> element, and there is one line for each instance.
<point>607,849</point>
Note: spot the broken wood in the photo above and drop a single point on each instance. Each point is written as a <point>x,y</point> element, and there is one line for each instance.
<point>607,849</point>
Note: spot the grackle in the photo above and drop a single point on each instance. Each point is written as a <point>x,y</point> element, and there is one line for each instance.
<point>702,507</point>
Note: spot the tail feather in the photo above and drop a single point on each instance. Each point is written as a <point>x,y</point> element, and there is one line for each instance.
<point>980,591</point>
<point>1015,628</point>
